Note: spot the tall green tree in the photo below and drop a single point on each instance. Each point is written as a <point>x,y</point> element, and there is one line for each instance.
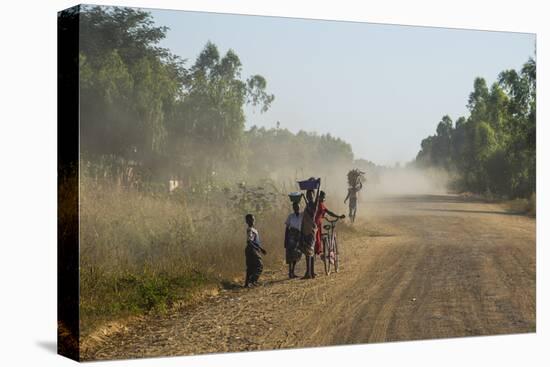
<point>140,105</point>
<point>127,84</point>
<point>493,149</point>
<point>208,127</point>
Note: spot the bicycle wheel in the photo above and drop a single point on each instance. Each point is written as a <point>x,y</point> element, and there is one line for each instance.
<point>336,255</point>
<point>326,257</point>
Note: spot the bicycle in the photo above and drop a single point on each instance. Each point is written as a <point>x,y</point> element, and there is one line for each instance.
<point>330,246</point>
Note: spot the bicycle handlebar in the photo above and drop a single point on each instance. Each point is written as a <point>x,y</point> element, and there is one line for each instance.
<point>335,220</point>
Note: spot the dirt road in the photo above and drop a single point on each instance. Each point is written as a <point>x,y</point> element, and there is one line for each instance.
<point>415,267</point>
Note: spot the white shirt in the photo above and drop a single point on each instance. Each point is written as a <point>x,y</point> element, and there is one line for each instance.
<point>252,235</point>
<point>294,221</point>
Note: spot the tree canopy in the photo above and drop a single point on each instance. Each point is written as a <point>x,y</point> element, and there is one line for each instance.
<point>144,107</point>
<point>493,149</point>
<point>141,103</point>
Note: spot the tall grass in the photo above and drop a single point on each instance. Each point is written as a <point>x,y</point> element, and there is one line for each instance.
<point>143,250</point>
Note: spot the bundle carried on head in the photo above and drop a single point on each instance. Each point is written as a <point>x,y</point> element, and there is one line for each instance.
<point>311,183</point>
<point>295,197</point>
<point>355,176</point>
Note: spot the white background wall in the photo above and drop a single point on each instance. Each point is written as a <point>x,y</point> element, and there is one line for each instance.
<point>28,182</point>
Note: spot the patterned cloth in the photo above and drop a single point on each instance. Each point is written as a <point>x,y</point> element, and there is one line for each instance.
<point>309,229</point>
<point>292,245</point>
<point>254,262</point>
<point>308,222</point>
<point>307,244</point>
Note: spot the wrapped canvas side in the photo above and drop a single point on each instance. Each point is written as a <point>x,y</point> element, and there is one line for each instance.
<point>68,175</point>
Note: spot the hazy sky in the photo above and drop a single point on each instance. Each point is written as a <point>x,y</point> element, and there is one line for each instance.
<point>382,88</point>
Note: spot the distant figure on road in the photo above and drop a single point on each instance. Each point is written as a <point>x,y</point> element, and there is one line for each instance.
<point>253,253</point>
<point>352,196</point>
<point>292,239</point>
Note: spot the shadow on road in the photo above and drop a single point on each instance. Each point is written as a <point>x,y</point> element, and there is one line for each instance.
<point>428,199</point>
<point>466,211</point>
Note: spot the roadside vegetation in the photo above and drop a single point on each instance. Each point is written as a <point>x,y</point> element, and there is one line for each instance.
<point>145,250</point>
<point>151,119</point>
<point>492,151</point>
<point>523,206</point>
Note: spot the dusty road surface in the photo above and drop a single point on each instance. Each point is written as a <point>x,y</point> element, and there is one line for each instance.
<point>413,267</point>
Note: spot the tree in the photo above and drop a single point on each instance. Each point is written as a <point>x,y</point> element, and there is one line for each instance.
<point>207,129</point>
<point>478,100</point>
<point>441,150</point>
<point>127,84</point>
<point>436,150</point>
<point>521,127</point>
<point>493,149</point>
<point>141,106</point>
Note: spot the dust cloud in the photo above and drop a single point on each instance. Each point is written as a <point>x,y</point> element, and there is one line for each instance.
<point>409,181</point>
<point>381,183</point>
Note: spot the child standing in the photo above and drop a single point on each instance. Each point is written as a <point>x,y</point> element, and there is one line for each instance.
<point>253,253</point>
<point>293,226</point>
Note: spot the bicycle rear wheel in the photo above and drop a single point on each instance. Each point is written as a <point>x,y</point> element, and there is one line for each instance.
<point>326,256</point>
<point>336,255</point>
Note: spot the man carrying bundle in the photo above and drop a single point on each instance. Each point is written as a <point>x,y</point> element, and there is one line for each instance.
<point>355,183</point>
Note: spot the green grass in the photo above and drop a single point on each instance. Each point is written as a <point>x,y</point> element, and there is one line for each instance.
<point>129,294</point>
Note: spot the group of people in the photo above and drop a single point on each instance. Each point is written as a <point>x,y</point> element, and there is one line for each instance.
<point>302,237</point>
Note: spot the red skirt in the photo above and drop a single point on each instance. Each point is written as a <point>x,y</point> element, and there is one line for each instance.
<point>318,245</point>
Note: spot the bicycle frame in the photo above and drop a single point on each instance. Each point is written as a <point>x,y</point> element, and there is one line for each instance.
<point>330,247</point>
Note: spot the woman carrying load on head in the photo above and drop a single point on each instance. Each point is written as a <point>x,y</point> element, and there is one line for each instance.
<point>309,229</point>
<point>293,227</point>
